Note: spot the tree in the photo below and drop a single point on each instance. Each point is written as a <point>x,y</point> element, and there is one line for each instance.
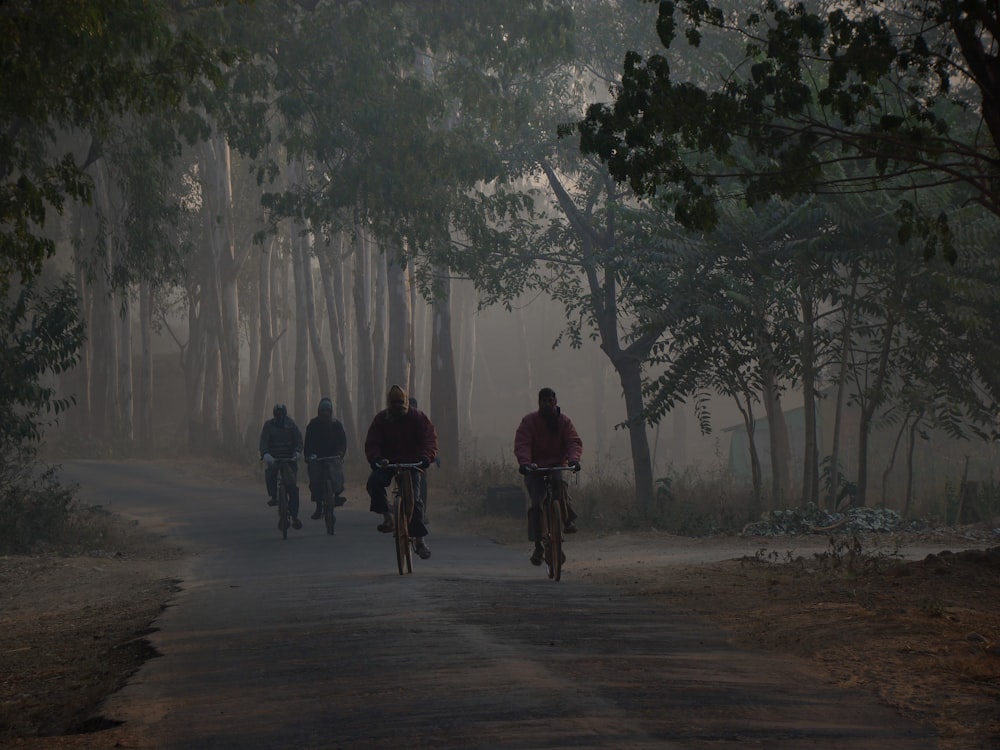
<point>904,90</point>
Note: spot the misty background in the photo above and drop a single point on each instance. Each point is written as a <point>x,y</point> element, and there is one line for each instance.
<point>232,205</point>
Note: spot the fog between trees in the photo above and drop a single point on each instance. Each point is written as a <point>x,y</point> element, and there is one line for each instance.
<point>325,198</point>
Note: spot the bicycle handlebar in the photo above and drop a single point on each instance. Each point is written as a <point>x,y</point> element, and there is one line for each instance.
<point>324,458</point>
<point>553,469</point>
<point>402,466</point>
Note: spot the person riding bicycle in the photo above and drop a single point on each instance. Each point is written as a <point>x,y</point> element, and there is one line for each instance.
<point>325,437</point>
<point>399,434</point>
<point>545,438</point>
<point>280,438</point>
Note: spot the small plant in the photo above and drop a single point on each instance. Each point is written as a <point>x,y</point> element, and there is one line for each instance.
<point>931,607</point>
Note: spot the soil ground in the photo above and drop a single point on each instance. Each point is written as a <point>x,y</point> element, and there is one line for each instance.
<point>923,635</point>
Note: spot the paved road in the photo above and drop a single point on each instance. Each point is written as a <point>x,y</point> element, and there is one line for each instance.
<point>318,642</point>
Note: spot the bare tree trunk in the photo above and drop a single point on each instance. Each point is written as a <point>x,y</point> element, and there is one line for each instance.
<point>124,400</point>
<point>467,348</point>
<point>144,386</point>
<point>780,445</point>
<point>810,462</point>
<point>444,390</point>
<point>363,334</point>
<point>380,321</point>
<point>217,212</point>
<point>312,326</point>
<point>265,327</point>
<point>345,408</point>
<point>103,325</point>
<point>872,401</point>
<point>81,415</point>
<point>399,341</point>
<point>301,369</point>
<point>838,417</point>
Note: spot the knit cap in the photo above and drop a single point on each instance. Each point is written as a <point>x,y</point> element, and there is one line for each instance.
<point>396,393</point>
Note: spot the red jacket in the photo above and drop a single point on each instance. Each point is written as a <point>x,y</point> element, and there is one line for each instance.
<point>404,440</point>
<point>535,443</point>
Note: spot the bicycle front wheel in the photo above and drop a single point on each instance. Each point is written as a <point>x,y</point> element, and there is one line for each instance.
<point>554,522</point>
<point>283,522</point>
<point>404,512</point>
<point>328,516</point>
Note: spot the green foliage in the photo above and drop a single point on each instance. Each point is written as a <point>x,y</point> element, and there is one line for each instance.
<point>904,91</point>
<point>34,506</point>
<point>40,334</point>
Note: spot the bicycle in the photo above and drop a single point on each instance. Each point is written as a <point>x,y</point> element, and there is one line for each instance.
<point>331,499</point>
<point>403,503</point>
<point>554,511</point>
<point>281,493</point>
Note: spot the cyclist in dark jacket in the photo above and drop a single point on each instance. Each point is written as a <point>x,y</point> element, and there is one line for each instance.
<point>280,438</point>
<point>325,437</point>
<point>399,434</point>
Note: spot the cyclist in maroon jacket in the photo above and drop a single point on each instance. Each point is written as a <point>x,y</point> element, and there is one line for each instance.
<point>545,438</point>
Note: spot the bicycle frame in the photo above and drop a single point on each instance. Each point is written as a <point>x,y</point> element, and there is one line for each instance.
<point>554,511</point>
<point>329,497</point>
<point>281,491</point>
<point>403,504</point>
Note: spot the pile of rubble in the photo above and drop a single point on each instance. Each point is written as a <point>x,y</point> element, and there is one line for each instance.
<point>813,520</point>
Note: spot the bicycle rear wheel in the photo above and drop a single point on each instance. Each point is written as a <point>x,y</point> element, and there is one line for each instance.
<point>404,511</point>
<point>328,502</point>
<point>554,522</point>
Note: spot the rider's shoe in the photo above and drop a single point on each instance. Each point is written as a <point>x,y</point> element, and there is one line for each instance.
<point>271,501</point>
<point>387,526</point>
<point>318,513</point>
<point>296,523</point>
<point>537,555</point>
<point>562,557</point>
<point>423,550</point>
<point>569,528</point>
<point>338,501</point>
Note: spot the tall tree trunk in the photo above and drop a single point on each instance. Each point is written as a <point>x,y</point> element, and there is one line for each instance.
<point>365,387</point>
<point>103,325</point>
<point>265,327</point>
<point>312,325</point>
<point>380,321</point>
<point>399,339</point>
<point>467,347</point>
<point>838,416</point>
<point>338,335</point>
<point>124,400</point>
<point>144,384</point>
<point>780,445</point>
<point>217,213</point>
<point>873,400</point>
<point>810,452</point>
<point>629,372</point>
<point>300,408</point>
<point>444,390</point>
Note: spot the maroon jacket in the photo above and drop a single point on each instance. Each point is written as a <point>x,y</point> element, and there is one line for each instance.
<point>405,440</point>
<point>535,443</point>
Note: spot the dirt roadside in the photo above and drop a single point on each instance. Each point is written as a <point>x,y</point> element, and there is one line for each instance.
<point>923,636</point>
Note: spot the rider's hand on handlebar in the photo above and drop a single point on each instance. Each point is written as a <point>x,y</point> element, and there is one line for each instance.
<point>574,465</point>
<point>525,468</point>
<point>268,458</point>
<point>424,462</point>
<point>312,457</point>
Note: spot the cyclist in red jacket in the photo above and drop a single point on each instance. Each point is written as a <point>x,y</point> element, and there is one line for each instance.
<point>545,438</point>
